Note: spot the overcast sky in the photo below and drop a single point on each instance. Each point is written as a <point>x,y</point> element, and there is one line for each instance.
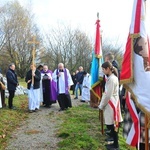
<point>114,15</point>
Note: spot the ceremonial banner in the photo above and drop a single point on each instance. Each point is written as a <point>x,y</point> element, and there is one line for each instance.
<point>135,74</point>
<point>96,69</point>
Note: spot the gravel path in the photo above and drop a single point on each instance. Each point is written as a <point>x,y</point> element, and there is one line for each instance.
<point>38,131</point>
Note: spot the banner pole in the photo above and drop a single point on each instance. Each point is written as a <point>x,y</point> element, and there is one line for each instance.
<point>146,133</point>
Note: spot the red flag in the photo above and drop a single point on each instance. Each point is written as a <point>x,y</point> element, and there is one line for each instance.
<point>97,39</point>
<point>96,69</point>
<point>135,74</point>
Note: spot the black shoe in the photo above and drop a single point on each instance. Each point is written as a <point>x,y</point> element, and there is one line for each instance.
<point>82,101</point>
<point>61,109</point>
<point>13,107</point>
<point>47,106</point>
<point>111,147</point>
<point>30,111</point>
<point>75,98</point>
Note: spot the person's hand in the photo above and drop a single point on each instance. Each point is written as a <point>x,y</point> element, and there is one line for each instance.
<point>99,107</point>
<point>49,78</point>
<point>33,74</point>
<point>59,74</point>
<point>28,81</point>
<point>68,87</point>
<point>123,97</point>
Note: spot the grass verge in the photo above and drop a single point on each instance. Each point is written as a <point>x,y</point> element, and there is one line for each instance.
<point>81,130</point>
<point>11,119</point>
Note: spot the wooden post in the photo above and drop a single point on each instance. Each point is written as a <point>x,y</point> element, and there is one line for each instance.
<point>34,43</point>
<point>101,111</point>
<point>102,123</point>
<point>146,133</point>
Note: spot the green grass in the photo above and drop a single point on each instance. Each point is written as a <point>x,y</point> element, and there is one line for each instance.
<point>11,119</point>
<point>22,82</point>
<point>81,130</point>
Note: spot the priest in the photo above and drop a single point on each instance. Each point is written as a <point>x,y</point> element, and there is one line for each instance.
<point>63,79</point>
<point>48,87</point>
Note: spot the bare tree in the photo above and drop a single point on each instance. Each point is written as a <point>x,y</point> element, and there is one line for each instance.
<point>116,49</point>
<point>17,27</point>
<point>72,47</point>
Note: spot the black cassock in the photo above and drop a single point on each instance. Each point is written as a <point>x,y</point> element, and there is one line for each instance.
<point>47,92</point>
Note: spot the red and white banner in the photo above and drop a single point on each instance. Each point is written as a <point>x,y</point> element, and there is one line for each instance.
<point>135,74</point>
<point>134,133</point>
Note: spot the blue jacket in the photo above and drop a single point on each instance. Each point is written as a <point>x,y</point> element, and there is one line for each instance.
<point>12,80</point>
<point>79,77</point>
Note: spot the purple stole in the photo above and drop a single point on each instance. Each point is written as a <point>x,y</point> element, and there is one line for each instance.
<point>66,81</point>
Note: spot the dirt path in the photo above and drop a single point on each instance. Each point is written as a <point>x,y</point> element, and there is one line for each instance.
<point>38,131</point>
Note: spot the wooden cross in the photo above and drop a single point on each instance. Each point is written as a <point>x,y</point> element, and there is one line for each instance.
<point>34,43</point>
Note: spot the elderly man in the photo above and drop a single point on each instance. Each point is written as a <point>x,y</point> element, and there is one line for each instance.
<point>12,83</point>
<point>63,79</point>
<point>48,87</point>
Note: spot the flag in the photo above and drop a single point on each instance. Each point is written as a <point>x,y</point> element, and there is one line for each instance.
<point>96,69</point>
<point>135,74</point>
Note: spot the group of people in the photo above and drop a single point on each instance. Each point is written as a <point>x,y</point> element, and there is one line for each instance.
<point>47,87</point>
<point>82,84</point>
<point>44,87</point>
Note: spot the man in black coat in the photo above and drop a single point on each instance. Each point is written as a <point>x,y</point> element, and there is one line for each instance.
<point>12,83</point>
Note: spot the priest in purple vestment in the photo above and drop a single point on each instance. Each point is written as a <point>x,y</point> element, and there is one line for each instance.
<point>63,79</point>
<point>48,87</point>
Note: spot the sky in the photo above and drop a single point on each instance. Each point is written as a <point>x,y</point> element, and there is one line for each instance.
<point>114,15</point>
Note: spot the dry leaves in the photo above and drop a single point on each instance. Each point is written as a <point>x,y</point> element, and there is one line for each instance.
<point>33,132</point>
<point>2,136</point>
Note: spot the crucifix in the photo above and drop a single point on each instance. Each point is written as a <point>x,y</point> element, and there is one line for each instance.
<point>34,43</point>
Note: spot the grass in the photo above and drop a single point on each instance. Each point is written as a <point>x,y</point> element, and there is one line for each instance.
<point>22,82</point>
<point>11,119</point>
<point>81,130</point>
